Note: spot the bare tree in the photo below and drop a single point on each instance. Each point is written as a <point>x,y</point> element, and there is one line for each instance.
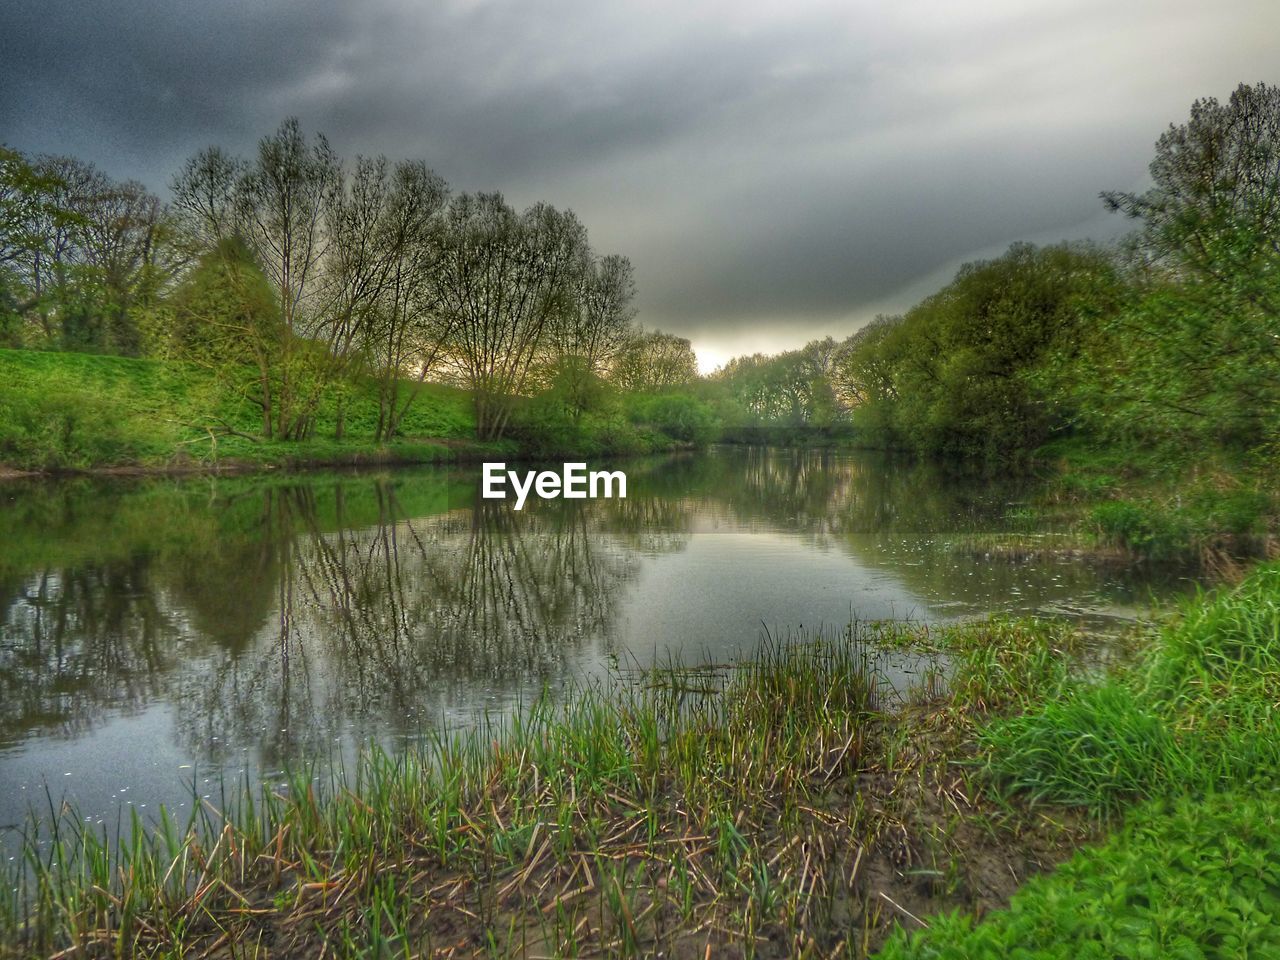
<point>409,330</point>
<point>592,326</point>
<point>204,195</point>
<point>281,203</point>
<point>385,230</point>
<point>279,206</point>
<point>655,361</point>
<point>502,277</point>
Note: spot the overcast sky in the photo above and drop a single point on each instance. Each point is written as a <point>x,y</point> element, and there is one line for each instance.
<point>775,171</point>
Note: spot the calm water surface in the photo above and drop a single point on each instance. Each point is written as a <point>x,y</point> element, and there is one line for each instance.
<point>161,634</point>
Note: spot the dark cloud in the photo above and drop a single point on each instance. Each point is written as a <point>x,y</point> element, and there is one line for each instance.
<point>774,170</point>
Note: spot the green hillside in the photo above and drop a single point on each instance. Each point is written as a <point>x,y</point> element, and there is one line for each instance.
<point>75,410</point>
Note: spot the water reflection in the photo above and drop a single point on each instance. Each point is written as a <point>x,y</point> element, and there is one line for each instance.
<point>145,626</point>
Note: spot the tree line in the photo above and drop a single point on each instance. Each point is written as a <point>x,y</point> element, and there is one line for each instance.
<point>1172,335</point>
<point>294,276</point>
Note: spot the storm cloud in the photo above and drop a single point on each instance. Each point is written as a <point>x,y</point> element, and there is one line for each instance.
<point>775,171</point>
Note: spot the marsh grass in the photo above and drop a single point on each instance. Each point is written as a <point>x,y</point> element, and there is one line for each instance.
<point>1186,878</point>
<point>782,807</point>
<point>1180,749</point>
<point>1196,712</point>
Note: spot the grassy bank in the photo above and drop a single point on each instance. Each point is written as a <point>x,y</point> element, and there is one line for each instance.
<point>63,412</point>
<point>71,411</point>
<point>1213,514</point>
<point>790,806</point>
<point>1181,747</point>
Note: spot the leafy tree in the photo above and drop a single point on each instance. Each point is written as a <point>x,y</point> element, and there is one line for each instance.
<point>83,255</point>
<point>1196,351</point>
<point>862,372</point>
<point>226,317</point>
<point>794,388</point>
<point>963,372</point>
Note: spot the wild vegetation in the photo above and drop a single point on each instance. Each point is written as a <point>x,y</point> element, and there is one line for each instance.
<point>296,285</point>
<point>1181,744</point>
<point>1140,378</point>
<point>785,806</point>
<point>1166,338</point>
<point>791,806</point>
<point>296,280</point>
<point>671,812</point>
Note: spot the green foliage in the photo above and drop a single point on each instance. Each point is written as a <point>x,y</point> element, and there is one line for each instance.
<point>1142,528</point>
<point>794,389</point>
<point>67,410</point>
<point>1193,352</point>
<point>73,410</point>
<point>69,427</point>
<point>81,256</point>
<point>1193,880</point>
<point>678,415</point>
<point>586,417</point>
<point>1011,664</point>
<point>654,361</point>
<point>963,373</point>
<point>1196,715</point>
<point>1191,730</point>
<point>1197,519</point>
<point>1095,746</point>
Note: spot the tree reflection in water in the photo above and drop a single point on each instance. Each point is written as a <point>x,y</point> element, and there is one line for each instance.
<point>280,615</point>
<point>310,611</point>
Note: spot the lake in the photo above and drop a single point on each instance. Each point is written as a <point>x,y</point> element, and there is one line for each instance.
<point>161,635</point>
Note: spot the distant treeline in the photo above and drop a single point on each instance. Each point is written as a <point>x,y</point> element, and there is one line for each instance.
<point>293,276</point>
<point>1172,336</point>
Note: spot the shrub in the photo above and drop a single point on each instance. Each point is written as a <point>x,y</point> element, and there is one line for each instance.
<point>677,415</point>
<point>1146,530</point>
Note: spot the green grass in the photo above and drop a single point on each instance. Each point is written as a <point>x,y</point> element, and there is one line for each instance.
<point>758,810</point>
<point>75,411</point>
<point>1212,510</point>
<point>1185,880</point>
<point>1182,746</point>
<point>69,411</point>
<point>1197,712</point>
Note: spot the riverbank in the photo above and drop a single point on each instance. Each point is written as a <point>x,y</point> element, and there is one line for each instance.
<point>1209,515</point>
<point>70,413</point>
<point>1182,747</point>
<point>792,806</point>
<point>1215,514</point>
<point>284,457</point>
<point>673,813</point>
